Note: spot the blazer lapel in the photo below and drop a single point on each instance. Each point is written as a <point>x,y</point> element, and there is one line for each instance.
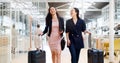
<point>72,24</point>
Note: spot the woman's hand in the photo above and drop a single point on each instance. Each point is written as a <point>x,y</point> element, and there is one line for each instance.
<point>41,33</point>
<point>61,32</point>
<point>87,32</point>
<point>68,42</point>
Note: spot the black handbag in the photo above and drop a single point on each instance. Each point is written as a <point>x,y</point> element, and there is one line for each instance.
<point>63,43</point>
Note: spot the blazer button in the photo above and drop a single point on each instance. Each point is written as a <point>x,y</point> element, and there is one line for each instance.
<point>72,34</point>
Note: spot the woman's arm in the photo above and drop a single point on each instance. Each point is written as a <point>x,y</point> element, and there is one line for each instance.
<point>67,33</point>
<point>84,28</point>
<point>45,30</point>
<point>86,32</point>
<point>63,24</point>
<point>68,40</point>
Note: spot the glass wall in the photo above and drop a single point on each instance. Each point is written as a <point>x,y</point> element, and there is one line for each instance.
<point>18,20</point>
<point>5,23</point>
<point>117,10</point>
<point>104,18</point>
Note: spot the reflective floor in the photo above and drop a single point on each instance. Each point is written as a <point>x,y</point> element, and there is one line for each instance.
<point>65,57</point>
<point>22,57</point>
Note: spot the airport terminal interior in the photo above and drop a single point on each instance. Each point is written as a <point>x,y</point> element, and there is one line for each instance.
<point>19,18</point>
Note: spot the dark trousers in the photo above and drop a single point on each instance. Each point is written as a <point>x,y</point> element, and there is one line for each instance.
<point>74,53</point>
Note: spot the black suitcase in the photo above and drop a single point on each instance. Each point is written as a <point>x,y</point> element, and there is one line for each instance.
<point>100,56</point>
<point>92,56</point>
<point>95,56</point>
<point>36,56</point>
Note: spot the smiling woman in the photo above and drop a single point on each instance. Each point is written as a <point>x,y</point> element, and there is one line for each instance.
<point>55,28</point>
<point>74,28</point>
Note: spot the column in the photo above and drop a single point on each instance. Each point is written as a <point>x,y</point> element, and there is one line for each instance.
<point>30,25</point>
<point>111,31</point>
<point>10,34</point>
<point>83,9</point>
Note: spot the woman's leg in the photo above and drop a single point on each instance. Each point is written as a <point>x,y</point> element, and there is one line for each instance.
<point>77,54</point>
<point>53,56</point>
<point>58,57</point>
<point>73,53</point>
<point>13,50</point>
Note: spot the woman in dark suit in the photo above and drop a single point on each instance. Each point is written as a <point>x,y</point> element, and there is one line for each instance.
<point>74,28</point>
<point>55,29</point>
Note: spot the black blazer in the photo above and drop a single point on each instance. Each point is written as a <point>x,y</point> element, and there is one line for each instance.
<point>75,29</point>
<point>75,32</point>
<point>49,26</point>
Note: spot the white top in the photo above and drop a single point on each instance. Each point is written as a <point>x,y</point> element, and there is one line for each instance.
<point>37,38</point>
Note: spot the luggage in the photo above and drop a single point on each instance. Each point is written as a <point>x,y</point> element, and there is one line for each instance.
<point>92,56</point>
<point>100,56</point>
<point>95,56</point>
<point>37,56</point>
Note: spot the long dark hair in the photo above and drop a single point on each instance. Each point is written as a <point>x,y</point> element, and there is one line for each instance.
<point>77,11</point>
<point>49,16</point>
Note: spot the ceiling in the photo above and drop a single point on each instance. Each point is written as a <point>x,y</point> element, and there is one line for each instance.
<point>64,6</point>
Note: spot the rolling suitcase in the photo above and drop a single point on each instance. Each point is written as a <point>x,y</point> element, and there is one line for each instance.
<point>37,56</point>
<point>95,56</point>
<point>92,56</point>
<point>100,56</point>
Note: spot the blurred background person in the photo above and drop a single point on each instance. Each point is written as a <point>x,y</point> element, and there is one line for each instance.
<point>14,39</point>
<point>37,38</point>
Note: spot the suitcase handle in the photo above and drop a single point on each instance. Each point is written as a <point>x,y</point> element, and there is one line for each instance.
<point>39,51</point>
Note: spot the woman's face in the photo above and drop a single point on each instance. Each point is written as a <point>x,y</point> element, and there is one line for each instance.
<point>73,13</point>
<point>52,11</point>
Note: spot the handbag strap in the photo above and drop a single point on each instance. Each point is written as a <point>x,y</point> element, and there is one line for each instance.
<point>62,37</point>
